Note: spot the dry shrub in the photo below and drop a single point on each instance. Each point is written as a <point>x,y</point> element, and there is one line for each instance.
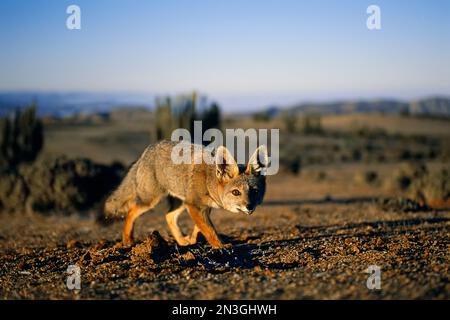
<point>400,204</point>
<point>317,175</point>
<point>292,164</point>
<point>433,189</point>
<point>369,177</point>
<point>419,184</point>
<point>403,177</point>
<point>57,185</point>
<point>21,138</point>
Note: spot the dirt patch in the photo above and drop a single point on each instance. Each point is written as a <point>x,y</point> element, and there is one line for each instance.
<point>153,247</point>
<point>400,204</point>
<point>297,258</point>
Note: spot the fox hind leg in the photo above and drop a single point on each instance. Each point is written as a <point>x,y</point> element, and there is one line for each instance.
<point>135,211</point>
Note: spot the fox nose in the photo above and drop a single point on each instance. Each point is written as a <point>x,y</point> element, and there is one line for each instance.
<point>250,208</point>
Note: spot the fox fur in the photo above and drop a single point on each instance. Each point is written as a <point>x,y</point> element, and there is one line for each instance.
<point>199,186</point>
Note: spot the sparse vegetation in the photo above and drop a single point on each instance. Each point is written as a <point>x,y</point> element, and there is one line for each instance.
<point>420,184</point>
<point>292,164</point>
<point>290,121</point>
<point>335,215</point>
<point>399,204</point>
<point>57,185</point>
<point>181,112</point>
<point>369,177</point>
<point>403,177</point>
<point>21,138</point>
<point>261,116</point>
<point>311,124</point>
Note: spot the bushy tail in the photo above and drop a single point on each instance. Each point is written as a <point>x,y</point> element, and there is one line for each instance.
<point>120,201</point>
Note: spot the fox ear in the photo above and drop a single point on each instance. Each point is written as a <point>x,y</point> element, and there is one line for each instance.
<point>258,161</point>
<point>226,166</point>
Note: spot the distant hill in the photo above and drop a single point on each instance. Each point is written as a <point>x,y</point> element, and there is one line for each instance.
<point>433,106</point>
<point>64,104</point>
<point>70,103</point>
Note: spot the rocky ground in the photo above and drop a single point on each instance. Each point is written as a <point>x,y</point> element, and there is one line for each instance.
<point>291,248</point>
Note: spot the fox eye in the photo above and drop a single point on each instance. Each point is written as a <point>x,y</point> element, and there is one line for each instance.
<point>236,192</point>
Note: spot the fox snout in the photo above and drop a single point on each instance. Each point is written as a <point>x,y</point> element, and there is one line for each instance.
<point>249,209</point>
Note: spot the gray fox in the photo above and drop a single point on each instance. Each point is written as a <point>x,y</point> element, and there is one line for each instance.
<point>200,187</point>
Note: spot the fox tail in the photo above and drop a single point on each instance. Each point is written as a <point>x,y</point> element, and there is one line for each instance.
<point>121,199</point>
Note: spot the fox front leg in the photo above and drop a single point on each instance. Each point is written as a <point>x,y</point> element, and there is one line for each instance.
<point>193,238</point>
<point>172,222</point>
<point>204,225</point>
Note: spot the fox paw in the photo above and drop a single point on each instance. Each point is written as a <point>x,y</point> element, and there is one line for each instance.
<point>126,243</point>
<point>185,241</point>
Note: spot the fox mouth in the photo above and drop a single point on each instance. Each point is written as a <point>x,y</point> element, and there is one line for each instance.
<point>246,211</point>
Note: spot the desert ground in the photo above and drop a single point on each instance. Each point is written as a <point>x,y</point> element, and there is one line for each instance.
<point>314,237</point>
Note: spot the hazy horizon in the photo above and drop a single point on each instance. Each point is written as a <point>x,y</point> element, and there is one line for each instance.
<point>228,103</point>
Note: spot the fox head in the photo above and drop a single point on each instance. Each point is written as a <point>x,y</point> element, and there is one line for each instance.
<point>242,188</point>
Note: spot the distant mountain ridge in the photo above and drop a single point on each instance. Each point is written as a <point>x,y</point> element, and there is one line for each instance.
<point>436,106</point>
<point>64,104</point>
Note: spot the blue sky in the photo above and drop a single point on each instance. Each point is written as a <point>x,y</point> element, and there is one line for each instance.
<point>240,52</point>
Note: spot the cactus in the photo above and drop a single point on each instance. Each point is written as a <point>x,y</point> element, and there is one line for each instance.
<point>182,113</point>
<point>290,121</point>
<point>21,138</point>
